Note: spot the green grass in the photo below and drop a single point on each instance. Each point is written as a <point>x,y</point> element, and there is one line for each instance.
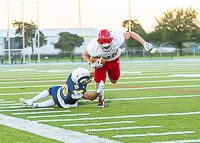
<point>178,123</point>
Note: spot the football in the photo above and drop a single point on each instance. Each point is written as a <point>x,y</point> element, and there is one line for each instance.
<point>102,60</point>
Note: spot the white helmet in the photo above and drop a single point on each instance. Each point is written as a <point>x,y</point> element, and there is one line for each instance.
<point>81,76</point>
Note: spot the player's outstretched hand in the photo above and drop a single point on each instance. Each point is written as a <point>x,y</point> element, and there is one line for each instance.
<point>148,46</point>
<point>101,87</point>
<point>96,64</point>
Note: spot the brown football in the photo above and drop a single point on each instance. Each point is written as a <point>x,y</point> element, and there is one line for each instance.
<point>93,59</point>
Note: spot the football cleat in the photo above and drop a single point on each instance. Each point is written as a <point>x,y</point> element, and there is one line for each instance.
<point>28,102</point>
<point>101,103</point>
<point>35,105</point>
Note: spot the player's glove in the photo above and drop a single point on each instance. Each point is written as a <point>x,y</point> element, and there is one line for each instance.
<point>148,46</point>
<point>101,87</point>
<point>96,64</point>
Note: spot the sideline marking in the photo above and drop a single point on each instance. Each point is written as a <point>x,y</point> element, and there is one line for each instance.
<point>42,112</point>
<point>179,141</point>
<point>95,124</point>
<point>122,128</point>
<point>63,115</point>
<point>153,134</point>
<point>50,132</point>
<point>2,99</point>
<point>117,117</point>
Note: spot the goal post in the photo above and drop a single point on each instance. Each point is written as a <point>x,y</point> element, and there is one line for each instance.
<point>16,55</point>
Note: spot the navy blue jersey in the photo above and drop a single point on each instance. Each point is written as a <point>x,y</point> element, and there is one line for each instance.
<point>69,93</point>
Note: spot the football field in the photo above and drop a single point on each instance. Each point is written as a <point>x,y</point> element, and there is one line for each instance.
<point>153,101</point>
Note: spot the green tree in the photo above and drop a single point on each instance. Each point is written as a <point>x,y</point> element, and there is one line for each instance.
<point>29,34</point>
<point>137,28</point>
<point>68,42</point>
<point>176,27</point>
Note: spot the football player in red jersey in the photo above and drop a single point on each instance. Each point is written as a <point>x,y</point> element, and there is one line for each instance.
<point>107,45</point>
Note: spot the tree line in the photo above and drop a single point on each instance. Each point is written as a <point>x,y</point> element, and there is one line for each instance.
<point>174,27</point>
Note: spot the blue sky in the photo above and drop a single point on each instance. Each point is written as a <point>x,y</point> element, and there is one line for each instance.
<point>98,14</point>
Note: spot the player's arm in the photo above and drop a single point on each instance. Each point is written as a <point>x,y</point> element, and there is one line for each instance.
<point>135,36</point>
<point>86,57</point>
<point>94,95</point>
<point>89,96</point>
<point>147,46</point>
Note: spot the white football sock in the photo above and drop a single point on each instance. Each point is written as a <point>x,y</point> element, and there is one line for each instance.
<point>41,95</point>
<point>47,103</point>
<point>101,97</point>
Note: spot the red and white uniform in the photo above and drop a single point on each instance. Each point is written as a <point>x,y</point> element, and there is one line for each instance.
<point>112,65</point>
<point>94,50</point>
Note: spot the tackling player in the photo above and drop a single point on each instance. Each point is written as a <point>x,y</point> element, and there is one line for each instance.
<point>107,45</point>
<point>66,96</point>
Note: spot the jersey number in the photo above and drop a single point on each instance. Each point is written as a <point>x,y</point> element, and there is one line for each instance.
<point>65,89</point>
<point>111,56</point>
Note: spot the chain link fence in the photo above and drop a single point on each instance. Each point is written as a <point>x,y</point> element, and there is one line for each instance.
<point>17,56</point>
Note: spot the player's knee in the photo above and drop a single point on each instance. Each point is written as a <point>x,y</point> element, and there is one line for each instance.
<point>113,81</point>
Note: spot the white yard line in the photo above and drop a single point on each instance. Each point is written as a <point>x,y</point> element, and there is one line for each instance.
<point>121,117</point>
<point>154,81</point>
<point>63,115</point>
<point>22,82</point>
<point>41,112</point>
<point>139,98</point>
<point>26,109</point>
<point>6,79</point>
<point>179,141</point>
<point>144,73</point>
<point>122,128</point>
<point>50,132</point>
<point>2,100</point>
<point>7,102</point>
<point>107,89</point>
<point>12,107</point>
<point>97,124</point>
<point>149,77</point>
<point>10,104</point>
<point>32,81</point>
<point>27,86</point>
<point>121,99</point>
<point>153,134</point>
<point>19,93</point>
<point>160,87</point>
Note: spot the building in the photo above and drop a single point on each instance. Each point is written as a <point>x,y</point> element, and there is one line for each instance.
<point>52,38</point>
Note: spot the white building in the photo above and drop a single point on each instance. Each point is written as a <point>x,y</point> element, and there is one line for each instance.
<point>52,38</point>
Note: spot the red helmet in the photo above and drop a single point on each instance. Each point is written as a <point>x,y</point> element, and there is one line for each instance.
<point>105,40</point>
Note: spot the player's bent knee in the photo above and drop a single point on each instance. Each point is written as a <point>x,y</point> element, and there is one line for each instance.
<point>113,81</point>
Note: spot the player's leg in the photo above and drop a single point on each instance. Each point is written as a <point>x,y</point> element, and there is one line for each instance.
<point>114,71</point>
<point>100,74</point>
<point>47,103</point>
<point>92,74</point>
<point>41,95</point>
